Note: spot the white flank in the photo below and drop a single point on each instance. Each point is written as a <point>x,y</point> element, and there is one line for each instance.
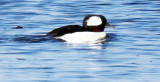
<point>94,21</point>
<point>84,37</point>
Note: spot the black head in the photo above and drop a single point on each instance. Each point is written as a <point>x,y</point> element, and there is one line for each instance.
<point>95,23</point>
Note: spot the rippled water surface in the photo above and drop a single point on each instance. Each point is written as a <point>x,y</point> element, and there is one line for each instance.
<point>130,54</point>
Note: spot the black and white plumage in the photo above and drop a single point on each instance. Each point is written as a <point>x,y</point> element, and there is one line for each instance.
<point>91,31</point>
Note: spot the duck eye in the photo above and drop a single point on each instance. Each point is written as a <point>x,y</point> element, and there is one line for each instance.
<point>94,21</point>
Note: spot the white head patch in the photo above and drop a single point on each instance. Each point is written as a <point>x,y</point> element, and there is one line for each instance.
<point>94,21</point>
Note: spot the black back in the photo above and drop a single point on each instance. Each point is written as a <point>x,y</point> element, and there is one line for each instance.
<point>65,29</point>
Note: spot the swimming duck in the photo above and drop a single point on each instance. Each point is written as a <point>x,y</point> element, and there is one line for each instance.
<point>91,31</point>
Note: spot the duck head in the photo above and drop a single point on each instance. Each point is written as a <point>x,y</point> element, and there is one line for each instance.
<point>95,23</point>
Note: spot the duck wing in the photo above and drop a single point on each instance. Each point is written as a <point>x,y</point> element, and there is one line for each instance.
<point>64,30</point>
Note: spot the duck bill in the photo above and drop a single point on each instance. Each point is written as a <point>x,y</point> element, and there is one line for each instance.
<point>108,25</point>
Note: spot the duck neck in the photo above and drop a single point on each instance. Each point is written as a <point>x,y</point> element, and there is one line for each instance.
<point>94,28</point>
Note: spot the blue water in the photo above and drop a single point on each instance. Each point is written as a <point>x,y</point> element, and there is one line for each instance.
<point>131,54</point>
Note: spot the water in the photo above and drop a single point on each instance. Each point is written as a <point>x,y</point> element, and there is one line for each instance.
<point>131,54</point>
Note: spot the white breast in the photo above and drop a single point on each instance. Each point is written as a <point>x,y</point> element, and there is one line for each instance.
<point>83,37</point>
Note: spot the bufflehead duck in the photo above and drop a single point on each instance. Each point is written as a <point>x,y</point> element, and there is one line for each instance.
<point>91,31</point>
